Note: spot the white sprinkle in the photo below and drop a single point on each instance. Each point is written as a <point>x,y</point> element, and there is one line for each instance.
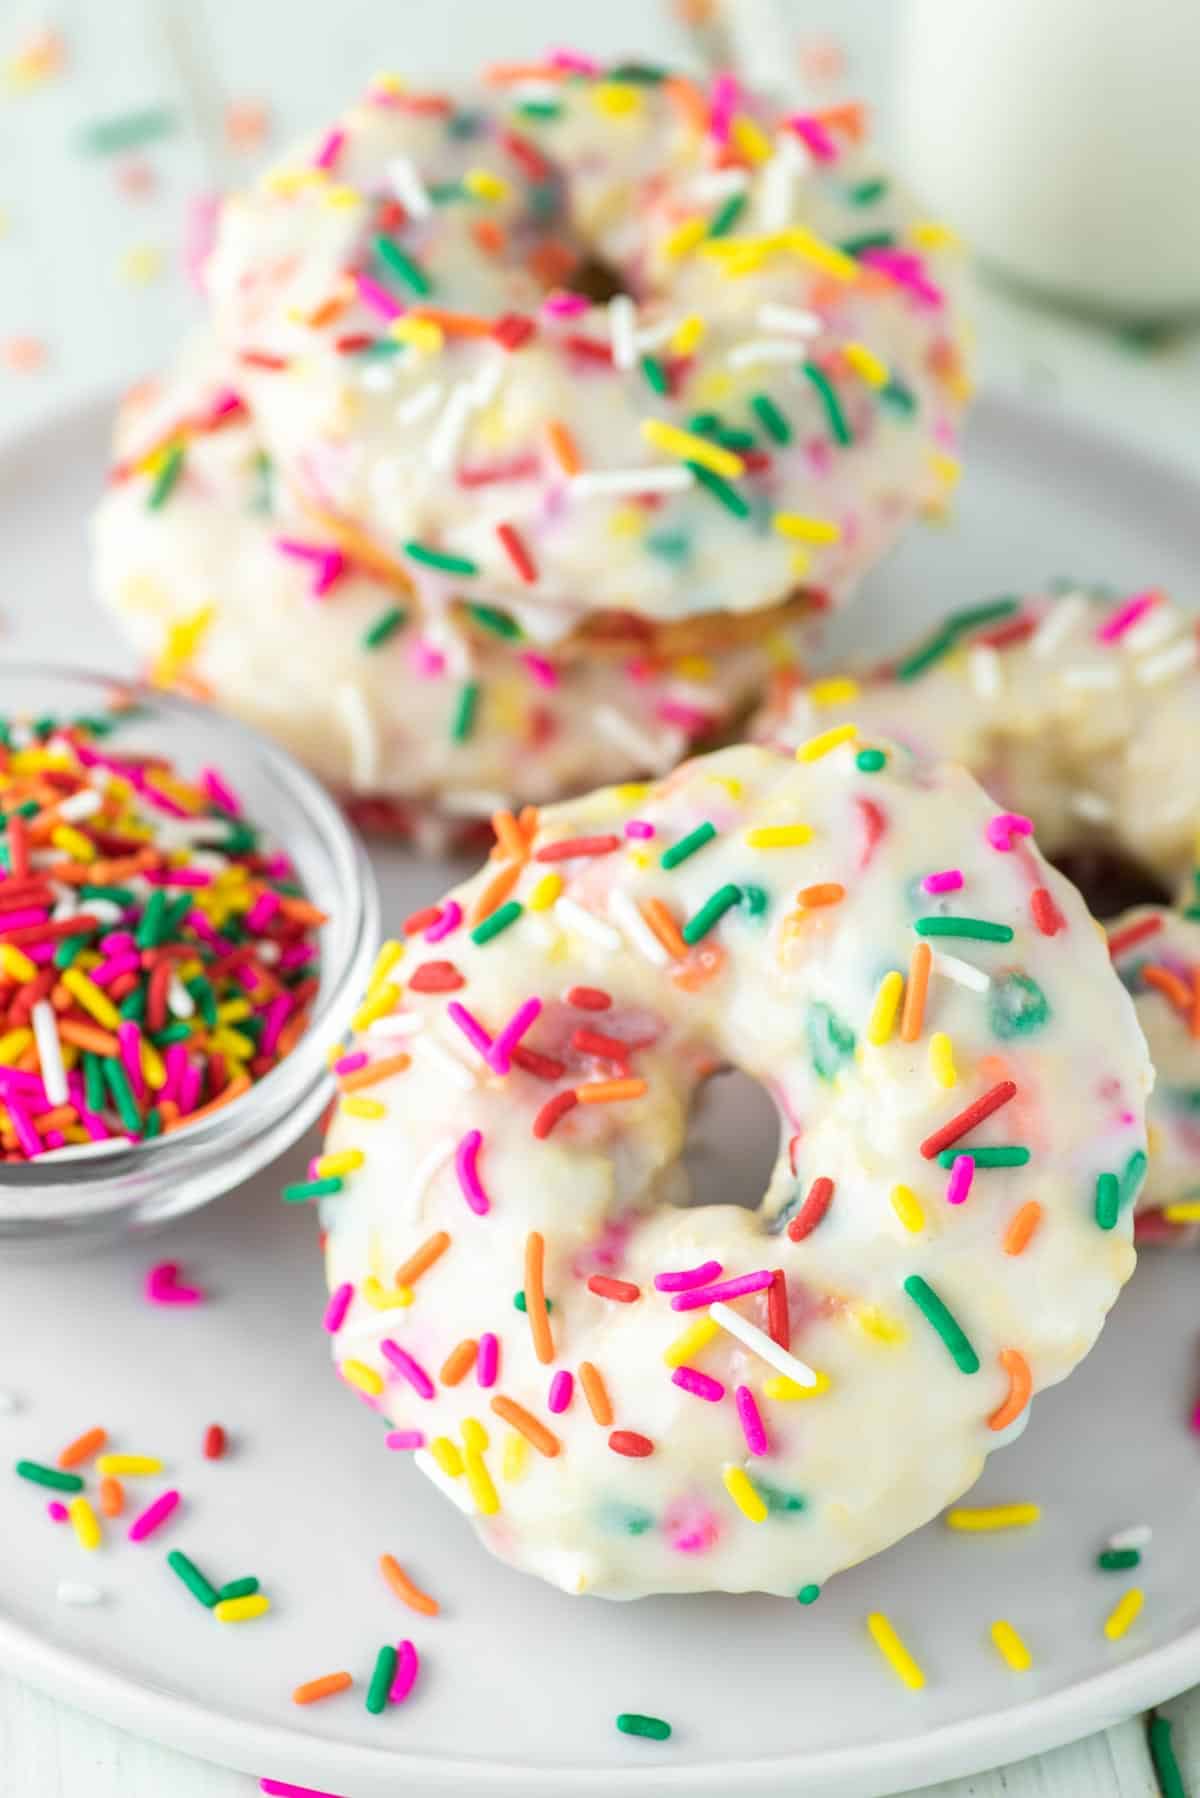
<point>1059,621</point>
<point>776,181</point>
<point>963,972</point>
<point>647,751</point>
<point>69,1591</point>
<point>107,910</point>
<point>447,433</point>
<point>68,906</point>
<point>419,404</point>
<point>759,1343</point>
<point>764,349</point>
<point>408,186</point>
<point>623,912</point>
<point>355,716</point>
<point>1091,806</point>
<point>576,917</point>
<point>669,477</point>
<point>49,1048</point>
<point>717,184</point>
<point>376,376</point>
<point>1176,660</point>
<point>1136,1536</point>
<point>1150,631</point>
<point>180,1003</point>
<point>178,831</point>
<point>485,383</point>
<point>397,1023</point>
<point>1091,679</point>
<point>430,1164</point>
<point>83,804</point>
<point>622,317</point>
<point>654,336</point>
<point>457,1491</point>
<point>774,317</point>
<point>983,671</point>
<point>429,1047</point>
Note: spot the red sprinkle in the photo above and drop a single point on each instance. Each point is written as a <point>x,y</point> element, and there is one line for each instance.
<point>530,158</point>
<point>436,977</point>
<point>551,1111</point>
<point>1046,914</point>
<point>518,554</point>
<point>215,1442</point>
<point>813,1209</point>
<point>421,920</point>
<point>594,1042</point>
<point>628,1442</point>
<point>991,1101</point>
<point>542,1067</point>
<point>512,329</point>
<point>572,846</point>
<point>874,825</point>
<point>588,998</point>
<point>624,1291</point>
<point>1124,939</point>
<point>589,347</point>
<point>779,1323</point>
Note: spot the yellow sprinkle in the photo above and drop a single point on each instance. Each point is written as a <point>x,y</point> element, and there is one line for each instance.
<point>685,444</point>
<point>242,1610</point>
<point>381,1001</point>
<point>122,1466</point>
<point>816,747</point>
<point>84,1522</point>
<point>1010,1647</point>
<point>363,1108</point>
<point>822,255</point>
<point>688,337</point>
<point>908,1208</point>
<point>866,363</point>
<point>992,1517</point>
<point>803,529</point>
<point>486,185</point>
<point>779,1386</point>
<point>141,264</point>
<point>616,98</point>
<point>932,234</point>
<point>419,333</point>
<point>1187,1211</point>
<point>878,1324</point>
<point>941,1059</point>
<point>448,1456</point>
<point>346,1161</point>
<point>799,562</point>
<point>14,1045</point>
<point>1124,1613</point>
<point>73,842</point>
<point>389,954</point>
<point>728,784</point>
<point>689,1342</point>
<point>945,467</point>
<point>16,964</point>
<point>685,237</point>
<point>96,1003</point>
<point>741,1490</point>
<point>479,1481</point>
<point>698,668</point>
<point>233,1011</point>
<point>779,836</point>
<point>882,1020</point>
<point>626,521</point>
<point>894,1652</point>
<point>750,139</point>
<point>362,1376</point>
<point>545,892</point>
<point>836,691</point>
<point>182,641</point>
<point>386,81</point>
<point>515,1457</point>
<point>231,1043</point>
<point>386,1298</point>
<point>342,198</point>
<point>632,792</point>
<point>474,1436</point>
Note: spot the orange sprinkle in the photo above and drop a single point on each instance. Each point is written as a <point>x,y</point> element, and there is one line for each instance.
<point>237,1086</point>
<point>422,1259</point>
<point>913,1015</point>
<point>1195,1017</point>
<point>459,1362</point>
<point>850,117</point>
<point>1170,986</point>
<point>603,1092</point>
<point>291,1033</point>
<point>90,1443</point>
<point>325,1687</point>
<point>510,838</point>
<point>373,1072</point>
<point>489,235</point>
<point>566,450</point>
<point>112,1496</point>
<point>363,549</point>
<point>496,891</point>
<point>455,324</point>
<point>327,311</point>
<point>826,892</point>
<point>523,1421</point>
<point>1020,1385</point>
<point>508,74</point>
<point>403,1587</point>
<point>596,1394</point>
<point>88,1036</point>
<point>688,102</point>
<point>1022,1227</point>
<point>659,917</point>
<point>535,1296</point>
<point>552,262</point>
<point>701,966</point>
<point>302,911</point>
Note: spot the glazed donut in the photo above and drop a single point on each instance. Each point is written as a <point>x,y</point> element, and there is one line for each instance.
<point>1078,709</point>
<point>420,724</point>
<point>714,1398</point>
<point>759,410</point>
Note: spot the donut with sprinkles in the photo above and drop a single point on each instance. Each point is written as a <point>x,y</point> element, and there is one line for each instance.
<point>630,1394</point>
<point>1071,707</point>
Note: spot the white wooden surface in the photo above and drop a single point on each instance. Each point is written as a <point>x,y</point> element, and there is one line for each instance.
<point>66,231</point>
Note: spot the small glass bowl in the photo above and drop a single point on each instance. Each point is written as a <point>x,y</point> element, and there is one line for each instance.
<point>96,1198</point>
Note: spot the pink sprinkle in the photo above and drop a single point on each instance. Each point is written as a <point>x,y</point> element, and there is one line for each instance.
<point>751,1421</point>
<point>1195,1419</point>
<point>962,1173</point>
<point>262,911</point>
<point>176,877</point>
<point>562,303</point>
<point>726,1289</point>
<point>449,921</point>
<point>282,1788</point>
<point>814,137</point>
<point>336,1309</point>
<point>906,271</point>
<point>22,1123</point>
<point>470,1026</point>
<point>20,920</point>
<point>330,150</point>
<point>412,1370</point>
<point>408,1665</point>
<point>543,672</point>
<point>684,1278</point>
<point>639,827</point>
<point>425,660</point>
<point>277,1014</point>
<point>500,1053</point>
<point>160,800</point>
<point>153,1516</point>
<point>487,1361</point>
<point>948,881</point>
<point>692,1380</point>
<point>162,1286</point>
<point>722,106</point>
<point>218,789</point>
<point>113,968</point>
<point>373,295</point>
<point>465,1157</point>
<point>328,564</point>
<point>561,1388</point>
<point>405,1439</point>
<point>1005,826</point>
<point>349,1064</point>
<point>690,718</point>
<point>57,1511</point>
<point>1126,616</point>
<point>576,61</point>
<point>130,1039</point>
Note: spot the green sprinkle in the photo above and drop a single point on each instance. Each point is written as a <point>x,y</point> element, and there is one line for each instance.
<point>499,920</point>
<point>385,626</point>
<point>464,711</point>
<point>69,950</point>
<point>726,216</point>
<point>119,895</point>
<point>809,1594</point>
<point>1162,1753</point>
<point>1017,1006</point>
<point>755,899</point>
<point>192,1578</point>
<point>169,472</point>
<point>301,1191</point>
<point>117,1081</point>
<point>1118,1560</point>
<point>128,131</point>
<point>519,1302</point>
<point>645,74</point>
<point>870,761</point>
<point>839,429</point>
<point>501,624</point>
<point>779,1502</point>
<point>655,373</point>
<point>669,546</point>
<point>632,1723</point>
<point>381,1679</point>
<point>945,638</point>
<point>264,473</point>
<point>831,1043</point>
<point>49,1476</point>
<point>149,930</point>
<point>539,109</point>
<point>205,998</point>
<point>1108,1200</point>
<point>866,193</point>
<point>1132,1175</point>
<point>133,1005</point>
<point>979,929</point>
<point>695,839</point>
<point>438,558</point>
<point>867,240</point>
<point>626,1520</point>
<point>943,1321</point>
<point>711,912</point>
<point>153,1125</point>
<point>773,421</point>
<point>239,1588</point>
<point>1003,1155</point>
<point>895,394</point>
<point>720,489</point>
<point>402,265</point>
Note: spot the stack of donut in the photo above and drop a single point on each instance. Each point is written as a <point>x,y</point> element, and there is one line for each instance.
<point>467,532</point>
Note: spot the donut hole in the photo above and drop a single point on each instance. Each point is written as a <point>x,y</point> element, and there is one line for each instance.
<point>732,1143</point>
<point>598,280</point>
<point>1110,879</point>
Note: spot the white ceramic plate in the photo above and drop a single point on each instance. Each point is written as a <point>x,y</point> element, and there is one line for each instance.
<point>520,1684</point>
